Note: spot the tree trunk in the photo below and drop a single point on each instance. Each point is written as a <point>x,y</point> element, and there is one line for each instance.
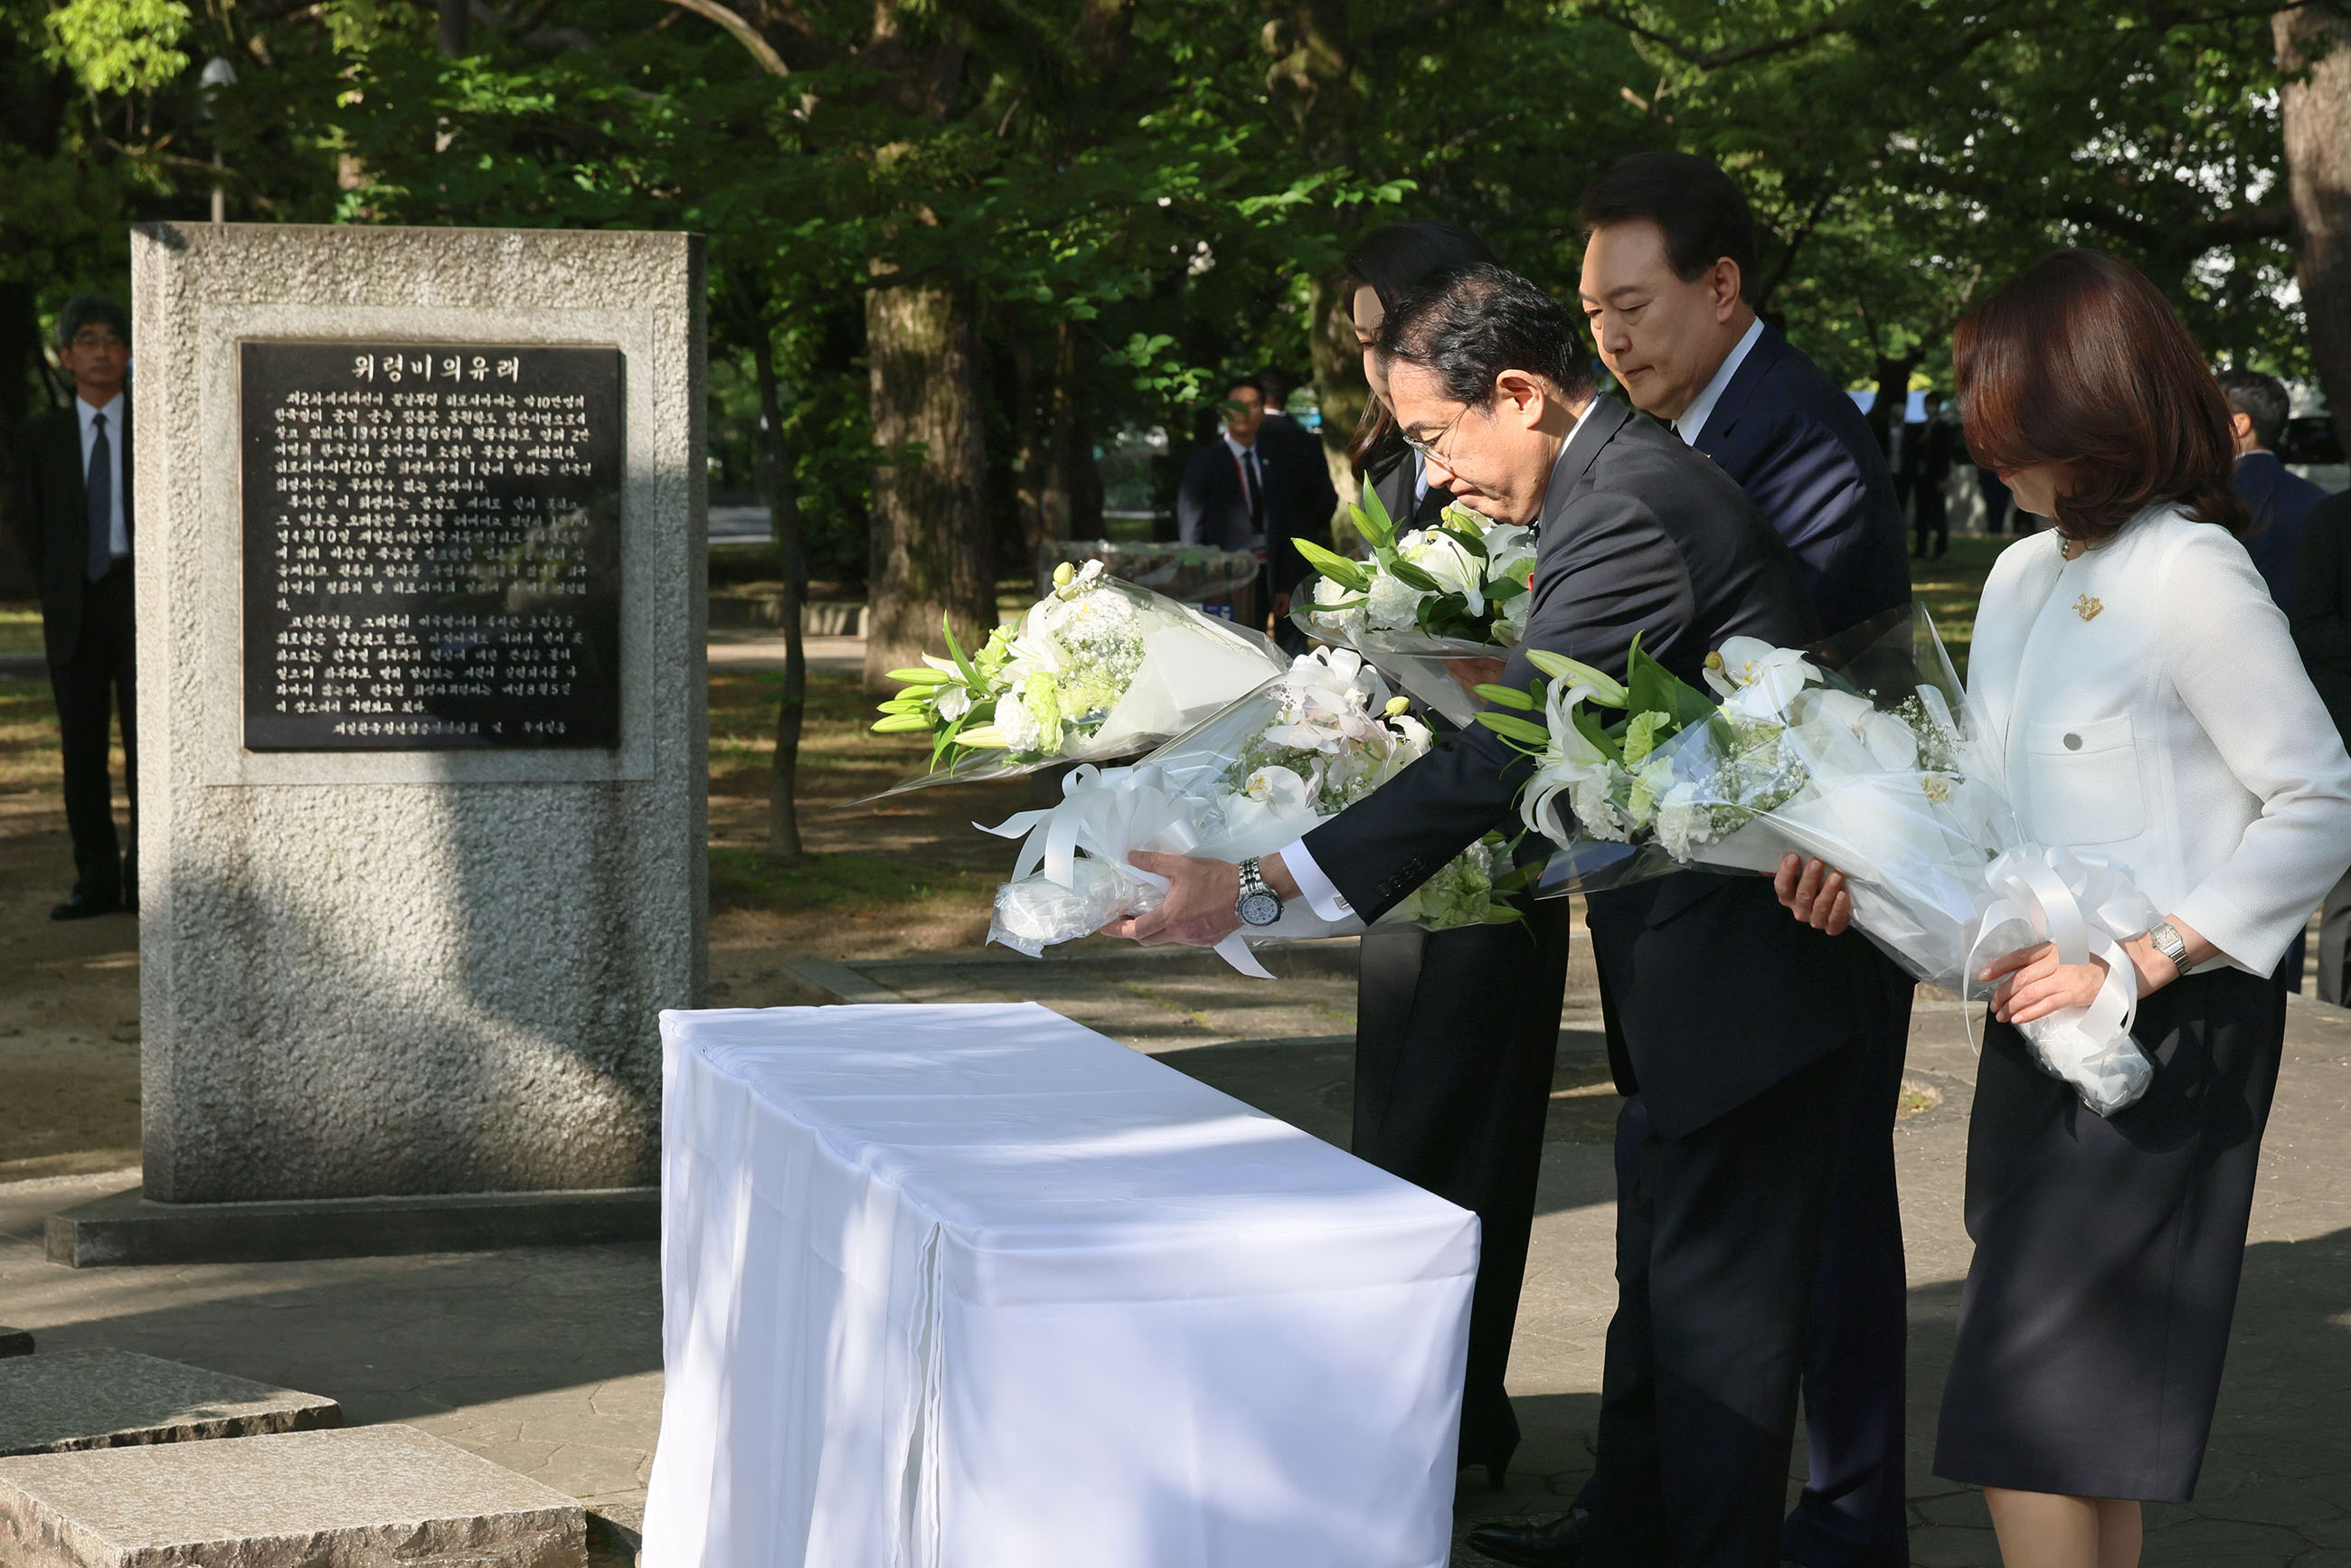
<point>931,558</point>
<point>1892,395</point>
<point>2314,49</point>
<point>22,367</point>
<point>1072,495</point>
<point>1340,390</point>
<point>784,511</point>
<point>1030,476</point>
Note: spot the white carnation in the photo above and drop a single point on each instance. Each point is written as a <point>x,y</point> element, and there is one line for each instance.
<point>1392,606</point>
<point>1019,728</point>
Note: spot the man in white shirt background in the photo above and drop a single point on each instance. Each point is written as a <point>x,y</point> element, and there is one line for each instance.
<point>73,521</point>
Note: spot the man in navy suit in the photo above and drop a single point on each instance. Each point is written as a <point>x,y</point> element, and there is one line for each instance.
<point>1667,275</point>
<point>2281,500</point>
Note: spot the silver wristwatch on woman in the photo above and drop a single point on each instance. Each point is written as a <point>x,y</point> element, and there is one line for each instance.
<point>2165,937</point>
<point>1257,905</point>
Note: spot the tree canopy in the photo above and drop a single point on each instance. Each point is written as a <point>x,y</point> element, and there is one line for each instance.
<point>957,245</point>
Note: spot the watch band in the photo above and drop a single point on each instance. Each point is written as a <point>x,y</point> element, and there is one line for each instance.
<point>2165,937</point>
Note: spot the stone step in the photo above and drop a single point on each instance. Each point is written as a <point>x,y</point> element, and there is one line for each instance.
<point>71,1399</point>
<point>129,1228</point>
<point>14,1342</point>
<point>365,1497</point>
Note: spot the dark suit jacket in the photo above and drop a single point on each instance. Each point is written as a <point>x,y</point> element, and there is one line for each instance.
<point>1393,477</point>
<point>1211,507</point>
<point>2281,502</point>
<point>1717,993</point>
<point>1309,498</point>
<point>2321,610</point>
<point>1805,456</point>
<point>52,520</point>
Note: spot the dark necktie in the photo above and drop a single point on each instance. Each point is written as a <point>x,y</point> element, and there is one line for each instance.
<point>100,487</point>
<point>1255,492</point>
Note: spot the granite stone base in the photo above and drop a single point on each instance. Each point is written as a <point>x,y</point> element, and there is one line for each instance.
<point>71,1399</point>
<point>129,1229</point>
<point>14,1342</point>
<point>370,1497</point>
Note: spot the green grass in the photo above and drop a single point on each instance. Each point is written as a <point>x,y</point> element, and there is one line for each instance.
<point>20,628</point>
<point>746,879</point>
<point>1951,586</point>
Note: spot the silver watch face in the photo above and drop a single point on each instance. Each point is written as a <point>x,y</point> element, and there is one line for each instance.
<point>1259,908</point>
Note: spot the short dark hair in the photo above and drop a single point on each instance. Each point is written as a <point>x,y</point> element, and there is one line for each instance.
<point>1468,327</point>
<point>2260,398</point>
<point>83,309</point>
<point>1234,385</point>
<point>1700,209</point>
<point>2078,361</point>
<point>1276,385</point>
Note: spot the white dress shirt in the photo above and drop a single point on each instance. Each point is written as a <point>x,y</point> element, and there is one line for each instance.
<point>2149,705</point>
<point>113,411</point>
<point>1314,886</point>
<point>1692,419</point>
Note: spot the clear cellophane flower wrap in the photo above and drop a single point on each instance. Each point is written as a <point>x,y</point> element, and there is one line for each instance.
<point>1426,599</point>
<point>1249,781</point>
<point>1096,669</point>
<point>1863,754</point>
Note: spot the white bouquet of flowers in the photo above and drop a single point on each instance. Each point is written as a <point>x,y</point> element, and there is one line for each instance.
<point>1282,761</point>
<point>1864,757</point>
<point>1096,669</point>
<point>1455,590</point>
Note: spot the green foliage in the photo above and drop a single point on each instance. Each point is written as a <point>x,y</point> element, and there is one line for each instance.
<point>119,46</point>
<point>1174,182</point>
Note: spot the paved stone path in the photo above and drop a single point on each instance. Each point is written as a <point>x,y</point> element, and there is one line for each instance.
<point>548,1361</point>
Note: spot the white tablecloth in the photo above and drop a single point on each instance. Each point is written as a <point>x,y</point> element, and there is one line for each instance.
<point>974,1287</point>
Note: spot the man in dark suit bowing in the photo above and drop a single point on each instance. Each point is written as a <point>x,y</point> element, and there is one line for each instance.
<point>1746,1043</point>
<point>1667,271</point>
<point>73,516</point>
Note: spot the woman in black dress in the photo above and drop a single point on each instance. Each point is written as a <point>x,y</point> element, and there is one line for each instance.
<point>1454,1031</point>
<point>2147,705</point>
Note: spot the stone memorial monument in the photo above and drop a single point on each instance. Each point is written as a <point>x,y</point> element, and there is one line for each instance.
<point>421,602</point>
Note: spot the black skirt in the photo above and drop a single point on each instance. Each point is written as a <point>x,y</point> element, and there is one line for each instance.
<point>2108,1251</point>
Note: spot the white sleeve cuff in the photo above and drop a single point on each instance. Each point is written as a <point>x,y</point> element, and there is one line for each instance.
<point>1321,896</point>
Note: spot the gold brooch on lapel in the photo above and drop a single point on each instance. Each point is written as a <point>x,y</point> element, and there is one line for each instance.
<point>2087,608</point>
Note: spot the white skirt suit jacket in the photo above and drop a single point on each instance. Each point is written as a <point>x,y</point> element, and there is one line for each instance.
<point>2150,706</point>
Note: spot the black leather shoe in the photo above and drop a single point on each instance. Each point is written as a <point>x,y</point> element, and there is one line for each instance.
<point>1556,1544</point>
<point>82,905</point>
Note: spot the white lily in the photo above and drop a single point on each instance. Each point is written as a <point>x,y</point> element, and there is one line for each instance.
<point>1440,553</point>
<point>1760,679</point>
<point>1568,765</point>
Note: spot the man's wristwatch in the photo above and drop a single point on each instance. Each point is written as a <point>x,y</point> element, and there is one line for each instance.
<point>2165,938</point>
<point>1257,905</point>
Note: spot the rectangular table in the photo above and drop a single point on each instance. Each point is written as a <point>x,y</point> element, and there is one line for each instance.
<point>976,1287</point>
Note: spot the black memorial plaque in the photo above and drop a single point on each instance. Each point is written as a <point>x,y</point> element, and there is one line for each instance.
<point>432,546</point>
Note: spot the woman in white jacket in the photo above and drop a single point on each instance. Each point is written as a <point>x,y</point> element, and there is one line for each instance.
<point>2150,706</point>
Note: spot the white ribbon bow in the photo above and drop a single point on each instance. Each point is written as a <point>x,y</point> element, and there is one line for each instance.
<point>1109,813</point>
<point>1106,813</point>
<point>2086,906</point>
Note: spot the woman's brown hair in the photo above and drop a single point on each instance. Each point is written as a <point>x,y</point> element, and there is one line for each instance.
<point>2078,362</point>
<point>1392,261</point>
